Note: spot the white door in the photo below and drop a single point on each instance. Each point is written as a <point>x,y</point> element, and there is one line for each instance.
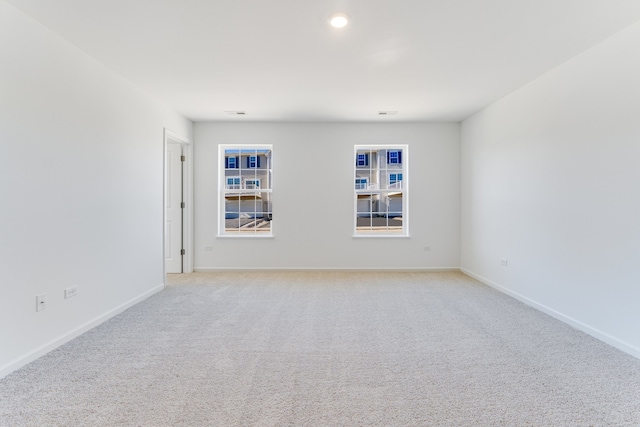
<point>173,206</point>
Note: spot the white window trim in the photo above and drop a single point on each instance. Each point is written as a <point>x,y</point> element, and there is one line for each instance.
<point>222,190</point>
<point>405,189</point>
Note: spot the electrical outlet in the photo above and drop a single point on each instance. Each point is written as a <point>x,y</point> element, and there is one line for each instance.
<point>426,248</point>
<point>208,248</point>
<point>503,262</point>
<point>70,292</point>
<point>41,302</point>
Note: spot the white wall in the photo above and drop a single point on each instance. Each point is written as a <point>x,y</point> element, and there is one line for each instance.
<point>303,239</point>
<point>551,182</point>
<point>81,189</point>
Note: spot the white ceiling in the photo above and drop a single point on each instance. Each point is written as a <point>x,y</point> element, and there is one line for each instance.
<point>430,60</point>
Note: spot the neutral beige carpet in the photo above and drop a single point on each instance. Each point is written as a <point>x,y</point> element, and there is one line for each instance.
<point>327,349</point>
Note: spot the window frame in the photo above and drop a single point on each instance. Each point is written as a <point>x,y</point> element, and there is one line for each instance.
<point>247,171</point>
<point>381,193</point>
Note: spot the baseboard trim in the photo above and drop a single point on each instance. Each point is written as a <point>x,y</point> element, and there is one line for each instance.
<point>328,269</point>
<point>65,338</point>
<point>594,332</point>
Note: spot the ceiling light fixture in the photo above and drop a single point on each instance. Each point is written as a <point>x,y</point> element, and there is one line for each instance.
<point>387,113</point>
<point>338,20</point>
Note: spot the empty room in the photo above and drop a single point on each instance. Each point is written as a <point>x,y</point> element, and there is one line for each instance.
<point>327,213</point>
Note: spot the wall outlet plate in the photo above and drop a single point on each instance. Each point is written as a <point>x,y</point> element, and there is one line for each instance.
<point>70,292</point>
<point>41,302</point>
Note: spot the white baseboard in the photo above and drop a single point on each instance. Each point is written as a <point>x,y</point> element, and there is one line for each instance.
<point>51,345</point>
<point>350,269</point>
<point>596,333</point>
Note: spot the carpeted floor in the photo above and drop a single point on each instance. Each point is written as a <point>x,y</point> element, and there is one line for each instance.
<point>327,349</point>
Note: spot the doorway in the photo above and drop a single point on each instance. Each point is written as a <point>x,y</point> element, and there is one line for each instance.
<point>177,206</point>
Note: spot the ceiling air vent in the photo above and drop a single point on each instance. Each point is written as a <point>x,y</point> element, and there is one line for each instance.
<point>236,113</point>
<point>387,113</point>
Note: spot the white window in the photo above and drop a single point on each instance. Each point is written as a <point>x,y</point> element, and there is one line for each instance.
<point>395,180</point>
<point>381,190</point>
<point>232,162</point>
<point>361,183</point>
<point>394,157</point>
<point>362,159</point>
<point>252,184</point>
<point>233,183</point>
<point>245,207</point>
<point>252,162</point>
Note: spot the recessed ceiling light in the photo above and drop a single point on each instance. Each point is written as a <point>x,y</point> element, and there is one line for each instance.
<point>338,20</point>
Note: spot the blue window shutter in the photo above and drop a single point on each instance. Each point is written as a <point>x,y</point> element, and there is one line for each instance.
<point>226,163</point>
<point>248,162</point>
<point>399,156</point>
<point>388,157</point>
<point>258,161</point>
<point>237,161</point>
<point>366,159</point>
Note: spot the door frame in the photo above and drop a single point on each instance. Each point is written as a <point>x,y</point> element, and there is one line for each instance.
<point>187,197</point>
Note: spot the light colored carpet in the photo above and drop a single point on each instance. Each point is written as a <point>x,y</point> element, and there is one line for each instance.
<point>327,349</point>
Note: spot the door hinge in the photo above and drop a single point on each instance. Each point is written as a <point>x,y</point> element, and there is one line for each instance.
<point>182,158</point>
<point>182,205</point>
<point>182,252</point>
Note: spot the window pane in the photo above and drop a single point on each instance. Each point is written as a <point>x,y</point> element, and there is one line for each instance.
<point>379,190</point>
<point>394,205</point>
<point>365,205</point>
<point>364,223</point>
<point>246,190</point>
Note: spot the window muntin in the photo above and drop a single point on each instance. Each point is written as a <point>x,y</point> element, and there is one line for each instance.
<point>380,191</point>
<point>245,202</point>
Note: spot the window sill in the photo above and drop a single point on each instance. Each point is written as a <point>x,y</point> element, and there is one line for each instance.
<point>381,236</point>
<point>226,236</point>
